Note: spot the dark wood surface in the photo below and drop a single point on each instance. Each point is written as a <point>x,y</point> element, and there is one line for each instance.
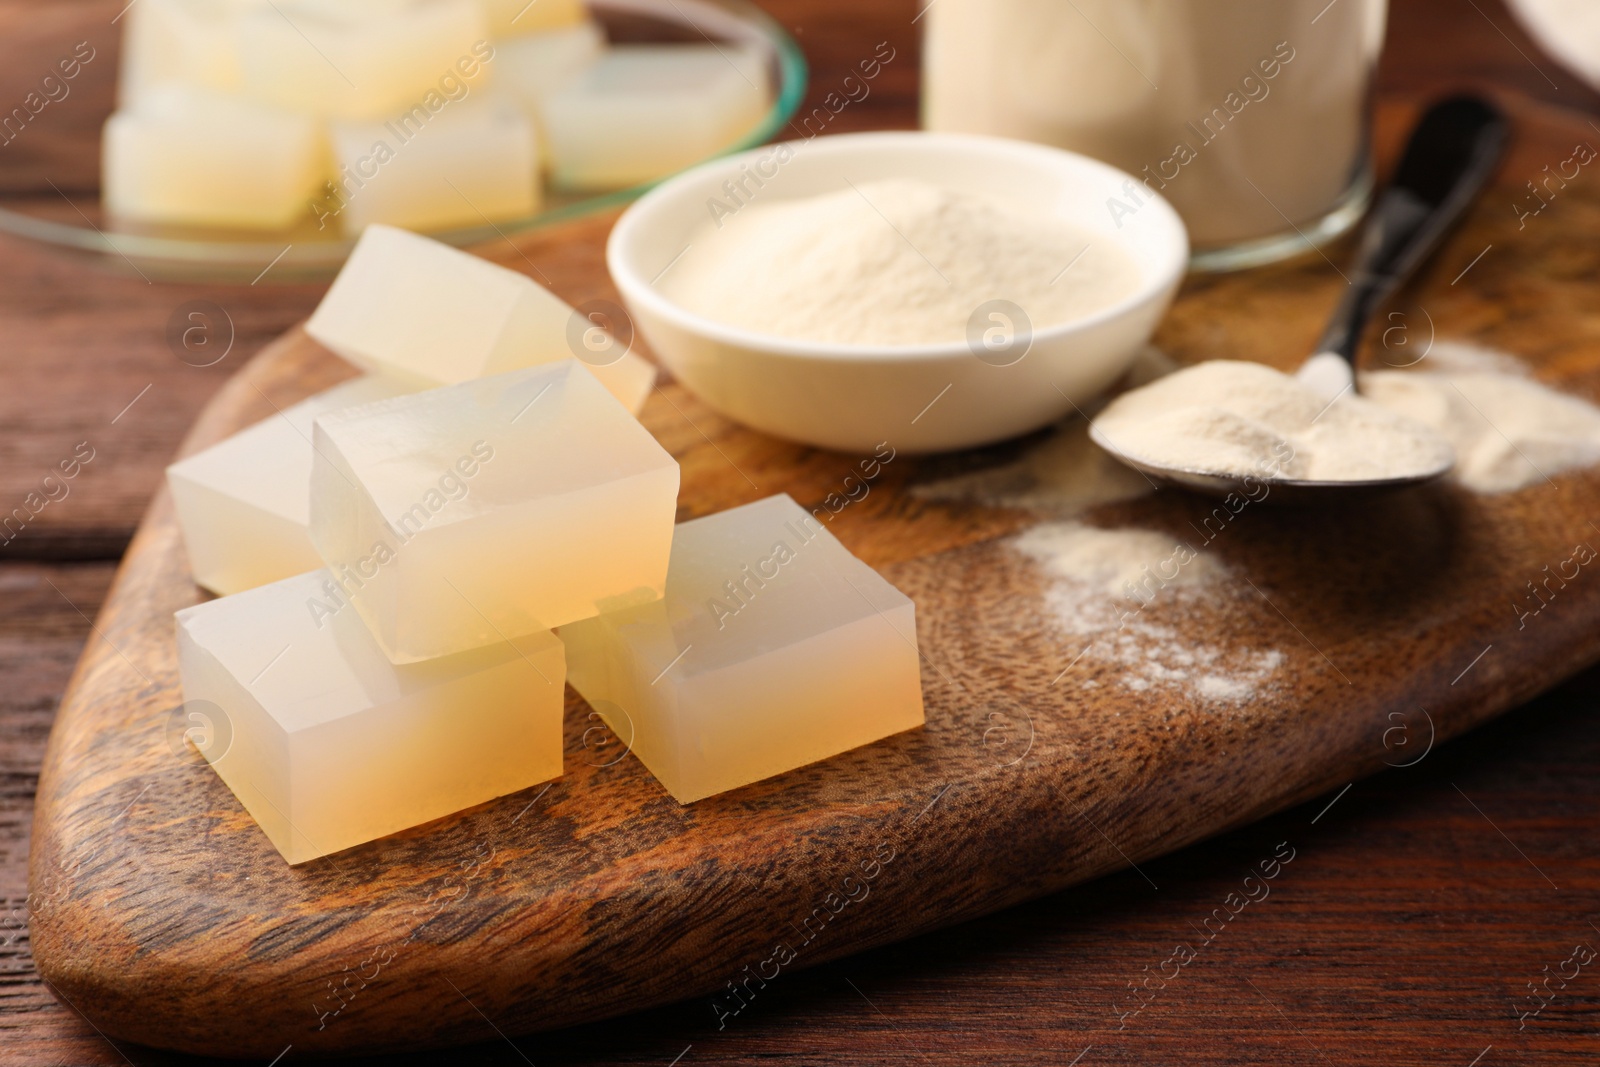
<point>1406,930</point>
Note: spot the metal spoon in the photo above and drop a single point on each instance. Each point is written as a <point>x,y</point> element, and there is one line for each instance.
<point>1450,155</point>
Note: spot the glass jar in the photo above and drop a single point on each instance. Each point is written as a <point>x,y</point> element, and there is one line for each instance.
<point>1250,116</point>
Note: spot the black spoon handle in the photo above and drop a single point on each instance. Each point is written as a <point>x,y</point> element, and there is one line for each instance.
<point>1452,152</point>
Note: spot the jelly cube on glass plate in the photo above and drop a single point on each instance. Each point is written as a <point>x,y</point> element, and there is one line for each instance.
<point>327,744</point>
<point>184,42</point>
<point>646,110</point>
<point>412,307</point>
<point>244,503</point>
<point>534,67</point>
<point>473,164</point>
<point>773,648</point>
<point>363,59</point>
<point>478,512</point>
<point>188,156</point>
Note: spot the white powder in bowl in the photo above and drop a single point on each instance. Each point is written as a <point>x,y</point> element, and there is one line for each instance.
<point>892,263</point>
<point>1231,417</point>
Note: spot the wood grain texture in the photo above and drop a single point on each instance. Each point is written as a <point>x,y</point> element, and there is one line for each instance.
<point>1402,934</point>
<point>42,628</point>
<point>161,912</point>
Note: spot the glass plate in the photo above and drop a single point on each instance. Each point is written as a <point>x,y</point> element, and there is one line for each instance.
<point>184,253</point>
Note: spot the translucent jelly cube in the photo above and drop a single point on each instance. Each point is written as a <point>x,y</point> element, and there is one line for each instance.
<point>477,512</point>
<point>327,744</point>
<point>534,67</point>
<point>199,157</point>
<point>244,503</point>
<point>474,162</point>
<point>509,18</point>
<point>412,307</point>
<point>774,648</point>
<point>184,42</point>
<point>644,111</point>
<point>363,60</point>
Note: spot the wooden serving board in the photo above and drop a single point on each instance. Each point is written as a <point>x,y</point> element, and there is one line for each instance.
<point>161,912</point>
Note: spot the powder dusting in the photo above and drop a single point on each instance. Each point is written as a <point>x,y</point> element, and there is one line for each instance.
<point>1110,587</point>
<point>1064,474</point>
<point>1508,430</point>
<point>1114,588</point>
<point>892,263</point>
<point>1463,356</point>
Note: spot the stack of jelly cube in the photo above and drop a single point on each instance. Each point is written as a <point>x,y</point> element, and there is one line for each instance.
<point>428,114</point>
<point>413,314</point>
<point>419,560</point>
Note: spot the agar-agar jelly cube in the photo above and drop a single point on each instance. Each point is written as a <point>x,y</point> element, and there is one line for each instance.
<point>327,744</point>
<point>477,512</point>
<point>774,647</point>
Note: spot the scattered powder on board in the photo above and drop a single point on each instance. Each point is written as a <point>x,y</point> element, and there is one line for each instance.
<point>1065,473</point>
<point>1464,357</point>
<point>1112,588</point>
<point>892,263</point>
<point>1508,431</point>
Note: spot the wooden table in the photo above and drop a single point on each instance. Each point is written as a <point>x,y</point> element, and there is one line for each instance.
<point>1419,907</point>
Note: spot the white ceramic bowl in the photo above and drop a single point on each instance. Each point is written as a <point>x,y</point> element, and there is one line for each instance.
<point>924,398</point>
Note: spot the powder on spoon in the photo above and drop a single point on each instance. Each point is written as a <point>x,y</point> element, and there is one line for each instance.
<point>1508,432</point>
<point>893,262</point>
<point>1231,417</point>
